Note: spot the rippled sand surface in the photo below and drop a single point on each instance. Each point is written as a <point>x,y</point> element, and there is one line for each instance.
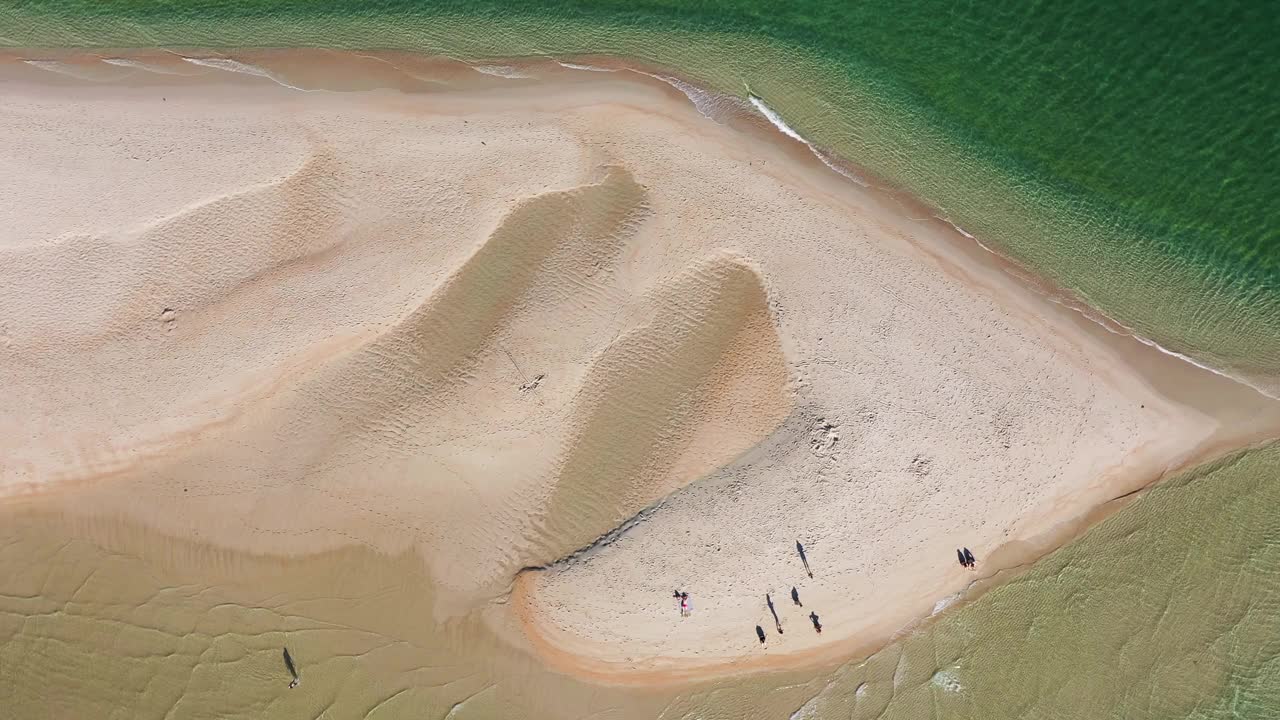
<point>445,382</point>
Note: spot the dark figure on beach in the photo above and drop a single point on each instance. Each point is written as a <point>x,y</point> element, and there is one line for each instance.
<point>960,557</point>
<point>776,622</point>
<point>760,634</point>
<point>817,626</point>
<point>288,663</point>
<point>795,597</point>
<point>969,558</point>
<point>803,559</point>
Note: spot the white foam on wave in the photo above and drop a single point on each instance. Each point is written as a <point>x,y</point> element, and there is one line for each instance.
<point>401,70</point>
<point>776,120</point>
<point>579,66</point>
<point>944,603</point>
<point>235,66</point>
<point>807,711</point>
<point>946,680</point>
<point>831,164</point>
<point>703,101</point>
<point>502,71</point>
<point>1110,324</point>
<point>62,68</point>
<point>963,232</point>
<point>139,65</point>
<point>773,117</point>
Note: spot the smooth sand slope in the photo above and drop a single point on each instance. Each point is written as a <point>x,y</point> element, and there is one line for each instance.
<point>496,320</point>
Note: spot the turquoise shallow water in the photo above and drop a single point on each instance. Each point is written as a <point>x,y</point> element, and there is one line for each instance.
<point>1129,152</point>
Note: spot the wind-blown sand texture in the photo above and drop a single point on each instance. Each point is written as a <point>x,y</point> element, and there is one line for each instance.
<point>496,322</point>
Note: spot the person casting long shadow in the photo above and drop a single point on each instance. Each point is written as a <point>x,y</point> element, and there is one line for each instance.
<point>288,663</point>
<point>803,558</point>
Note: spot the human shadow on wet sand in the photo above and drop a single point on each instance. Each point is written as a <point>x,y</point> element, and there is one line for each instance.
<point>288,663</point>
<point>776,622</point>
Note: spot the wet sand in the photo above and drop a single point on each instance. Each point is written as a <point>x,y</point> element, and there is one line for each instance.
<point>484,322</point>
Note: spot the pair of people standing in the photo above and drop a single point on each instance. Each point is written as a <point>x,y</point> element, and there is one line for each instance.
<point>683,597</point>
<point>966,558</point>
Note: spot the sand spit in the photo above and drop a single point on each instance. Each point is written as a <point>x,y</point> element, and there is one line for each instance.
<point>492,322</point>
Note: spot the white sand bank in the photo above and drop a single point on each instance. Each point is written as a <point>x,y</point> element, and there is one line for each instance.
<point>494,322</point>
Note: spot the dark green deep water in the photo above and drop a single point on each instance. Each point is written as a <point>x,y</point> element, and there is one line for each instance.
<point>1130,151</point>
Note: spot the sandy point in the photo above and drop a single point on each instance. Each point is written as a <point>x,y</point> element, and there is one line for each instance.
<point>549,318</point>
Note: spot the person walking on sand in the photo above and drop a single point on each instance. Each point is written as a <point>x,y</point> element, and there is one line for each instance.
<point>776,622</point>
<point>760,634</point>
<point>817,626</point>
<point>795,597</point>
<point>961,558</point>
<point>970,559</point>
<point>803,558</point>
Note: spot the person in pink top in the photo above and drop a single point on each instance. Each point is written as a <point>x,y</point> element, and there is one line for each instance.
<point>684,602</point>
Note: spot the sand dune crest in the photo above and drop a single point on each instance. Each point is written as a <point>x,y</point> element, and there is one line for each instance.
<point>709,354</point>
<point>541,249</point>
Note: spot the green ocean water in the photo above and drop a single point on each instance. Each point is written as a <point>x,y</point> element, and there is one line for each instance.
<point>1130,152</point>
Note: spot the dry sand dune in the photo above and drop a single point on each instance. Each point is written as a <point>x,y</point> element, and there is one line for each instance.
<point>568,325</point>
<point>701,380</point>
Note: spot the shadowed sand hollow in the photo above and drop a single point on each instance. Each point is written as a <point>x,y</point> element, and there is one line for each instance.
<point>566,342</point>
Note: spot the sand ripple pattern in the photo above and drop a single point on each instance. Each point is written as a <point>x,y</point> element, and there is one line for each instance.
<point>648,384</point>
<point>708,355</point>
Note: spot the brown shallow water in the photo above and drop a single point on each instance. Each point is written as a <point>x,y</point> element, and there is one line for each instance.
<point>102,618</point>
<point>1168,609</point>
